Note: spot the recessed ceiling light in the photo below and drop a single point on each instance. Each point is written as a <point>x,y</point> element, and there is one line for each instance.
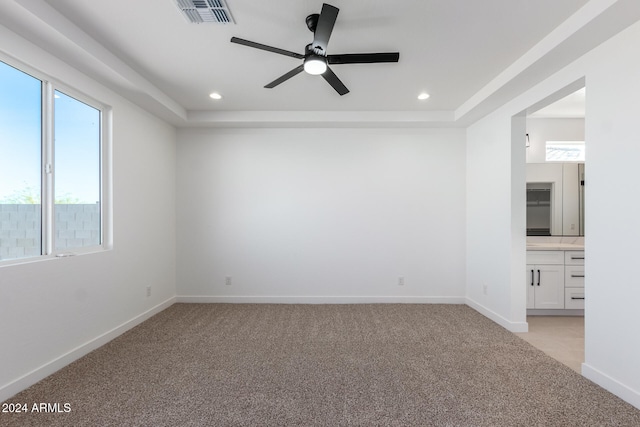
<point>423,96</point>
<point>215,95</point>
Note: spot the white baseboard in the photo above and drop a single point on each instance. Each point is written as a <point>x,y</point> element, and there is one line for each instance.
<point>16,386</point>
<point>555,312</point>
<point>505,323</point>
<point>318,300</point>
<point>625,393</point>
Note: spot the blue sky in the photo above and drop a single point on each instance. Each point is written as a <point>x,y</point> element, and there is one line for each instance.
<point>77,130</point>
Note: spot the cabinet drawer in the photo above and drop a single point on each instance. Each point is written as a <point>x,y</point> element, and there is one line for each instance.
<point>574,298</point>
<point>574,257</point>
<point>545,257</point>
<point>574,276</point>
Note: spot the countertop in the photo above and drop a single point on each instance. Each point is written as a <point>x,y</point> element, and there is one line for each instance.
<point>555,243</point>
<point>549,246</point>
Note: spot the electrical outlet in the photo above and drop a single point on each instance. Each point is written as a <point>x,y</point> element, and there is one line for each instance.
<point>148,291</point>
<point>227,280</point>
<point>401,281</point>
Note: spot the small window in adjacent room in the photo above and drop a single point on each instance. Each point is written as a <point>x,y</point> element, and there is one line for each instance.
<point>564,151</point>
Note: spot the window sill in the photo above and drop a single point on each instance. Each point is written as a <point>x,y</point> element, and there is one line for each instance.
<point>55,256</point>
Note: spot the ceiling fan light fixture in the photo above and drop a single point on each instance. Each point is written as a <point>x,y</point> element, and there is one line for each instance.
<point>315,59</point>
<point>315,65</point>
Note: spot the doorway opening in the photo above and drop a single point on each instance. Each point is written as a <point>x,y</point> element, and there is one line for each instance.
<point>555,178</point>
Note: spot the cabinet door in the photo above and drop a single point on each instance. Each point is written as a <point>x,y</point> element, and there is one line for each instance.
<point>549,286</point>
<point>531,290</point>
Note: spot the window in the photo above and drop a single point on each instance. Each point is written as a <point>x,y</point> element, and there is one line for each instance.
<point>20,164</point>
<point>564,151</point>
<point>77,173</point>
<point>50,168</point>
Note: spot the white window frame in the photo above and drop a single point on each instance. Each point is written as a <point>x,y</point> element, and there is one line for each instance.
<point>47,204</point>
<point>579,144</point>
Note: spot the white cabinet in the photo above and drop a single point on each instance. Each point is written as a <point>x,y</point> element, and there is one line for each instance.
<point>555,279</point>
<point>574,279</point>
<point>546,286</point>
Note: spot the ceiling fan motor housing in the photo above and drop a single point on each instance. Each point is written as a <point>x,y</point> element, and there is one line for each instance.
<point>312,22</point>
<point>310,50</point>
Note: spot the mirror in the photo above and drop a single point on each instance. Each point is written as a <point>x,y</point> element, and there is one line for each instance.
<point>555,199</point>
<point>555,167</point>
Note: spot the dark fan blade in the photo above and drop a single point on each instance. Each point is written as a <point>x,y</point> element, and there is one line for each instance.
<point>267,48</point>
<point>334,81</point>
<point>326,21</point>
<point>285,77</point>
<point>363,58</point>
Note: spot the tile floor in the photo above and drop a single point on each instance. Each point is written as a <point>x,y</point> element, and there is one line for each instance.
<point>561,337</point>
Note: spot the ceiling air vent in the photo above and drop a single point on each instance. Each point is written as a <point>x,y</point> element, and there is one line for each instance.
<point>199,11</point>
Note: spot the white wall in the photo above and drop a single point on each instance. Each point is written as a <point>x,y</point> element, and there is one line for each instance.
<point>321,215</point>
<point>612,294</point>
<point>56,310</point>
<point>491,242</point>
<point>611,216</point>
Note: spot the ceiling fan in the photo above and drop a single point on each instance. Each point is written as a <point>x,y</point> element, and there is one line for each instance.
<point>315,58</point>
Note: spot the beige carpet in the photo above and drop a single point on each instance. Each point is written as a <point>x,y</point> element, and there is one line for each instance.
<point>320,365</point>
